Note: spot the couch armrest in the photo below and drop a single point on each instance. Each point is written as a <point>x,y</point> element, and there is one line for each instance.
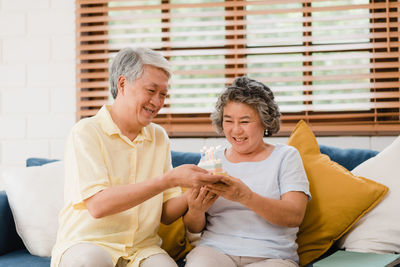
<point>9,239</point>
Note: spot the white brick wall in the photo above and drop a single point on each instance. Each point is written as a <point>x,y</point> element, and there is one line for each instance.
<point>15,151</point>
<point>37,78</point>
<point>62,100</point>
<point>25,50</point>
<point>12,23</point>
<point>52,21</point>
<point>19,5</point>
<point>48,126</point>
<point>16,127</point>
<point>12,75</point>
<point>25,101</point>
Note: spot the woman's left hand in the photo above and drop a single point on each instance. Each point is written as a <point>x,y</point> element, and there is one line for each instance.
<point>200,199</point>
<point>232,189</point>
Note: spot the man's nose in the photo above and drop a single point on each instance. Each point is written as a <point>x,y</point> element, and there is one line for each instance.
<point>157,100</point>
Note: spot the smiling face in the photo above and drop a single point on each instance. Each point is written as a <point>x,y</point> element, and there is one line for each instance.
<point>243,129</point>
<point>142,99</point>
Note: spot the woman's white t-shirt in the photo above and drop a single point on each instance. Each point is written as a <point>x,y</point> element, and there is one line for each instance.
<point>236,230</point>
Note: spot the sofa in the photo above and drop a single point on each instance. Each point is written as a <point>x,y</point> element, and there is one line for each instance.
<point>14,253</point>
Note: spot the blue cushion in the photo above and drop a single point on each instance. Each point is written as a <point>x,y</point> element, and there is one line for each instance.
<point>38,161</point>
<point>23,258</point>
<point>9,239</point>
<point>349,157</point>
<point>179,158</point>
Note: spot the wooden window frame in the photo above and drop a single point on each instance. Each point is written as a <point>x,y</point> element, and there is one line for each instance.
<point>384,119</point>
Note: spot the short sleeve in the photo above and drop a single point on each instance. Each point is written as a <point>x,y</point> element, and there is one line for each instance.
<point>171,193</point>
<point>168,161</point>
<point>292,176</point>
<point>85,167</point>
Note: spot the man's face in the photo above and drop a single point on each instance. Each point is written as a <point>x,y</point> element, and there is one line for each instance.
<point>143,98</point>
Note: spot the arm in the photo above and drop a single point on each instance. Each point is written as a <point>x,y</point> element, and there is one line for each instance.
<point>288,211</point>
<point>199,201</point>
<point>119,198</point>
<point>174,208</point>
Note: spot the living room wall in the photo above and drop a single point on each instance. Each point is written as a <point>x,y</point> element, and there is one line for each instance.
<point>37,78</point>
<point>37,85</point>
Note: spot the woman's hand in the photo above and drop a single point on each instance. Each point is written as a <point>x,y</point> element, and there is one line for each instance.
<point>200,199</point>
<point>232,189</point>
<point>288,211</point>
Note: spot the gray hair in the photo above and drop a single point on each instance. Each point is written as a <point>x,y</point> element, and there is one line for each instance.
<point>254,94</point>
<point>130,63</point>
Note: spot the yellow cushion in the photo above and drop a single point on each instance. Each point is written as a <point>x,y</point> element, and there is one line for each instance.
<point>339,199</point>
<point>175,241</point>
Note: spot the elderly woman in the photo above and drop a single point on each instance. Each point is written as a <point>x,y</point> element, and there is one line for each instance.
<point>252,217</point>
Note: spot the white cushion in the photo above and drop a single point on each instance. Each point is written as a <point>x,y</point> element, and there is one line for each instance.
<point>379,230</point>
<point>35,195</point>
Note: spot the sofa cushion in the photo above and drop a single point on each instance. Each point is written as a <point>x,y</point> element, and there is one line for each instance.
<point>339,199</point>
<point>30,162</point>
<point>9,239</point>
<point>347,157</point>
<point>23,258</point>
<point>180,158</point>
<point>379,230</point>
<point>35,197</point>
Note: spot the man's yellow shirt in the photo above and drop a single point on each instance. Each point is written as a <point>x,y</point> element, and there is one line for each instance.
<point>99,156</point>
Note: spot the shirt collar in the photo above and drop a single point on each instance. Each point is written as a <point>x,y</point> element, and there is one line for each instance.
<point>111,128</point>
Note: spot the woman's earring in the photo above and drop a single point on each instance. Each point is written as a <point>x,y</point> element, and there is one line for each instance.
<point>266,132</point>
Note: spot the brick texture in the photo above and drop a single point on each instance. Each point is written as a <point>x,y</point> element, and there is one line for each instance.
<point>37,78</point>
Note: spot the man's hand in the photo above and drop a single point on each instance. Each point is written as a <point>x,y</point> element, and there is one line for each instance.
<point>189,175</point>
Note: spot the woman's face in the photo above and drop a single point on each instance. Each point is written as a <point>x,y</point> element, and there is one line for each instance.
<point>242,128</point>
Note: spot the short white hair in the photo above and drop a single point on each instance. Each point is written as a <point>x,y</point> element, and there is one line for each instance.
<point>130,63</point>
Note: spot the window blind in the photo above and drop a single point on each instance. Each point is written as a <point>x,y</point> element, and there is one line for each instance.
<point>334,64</point>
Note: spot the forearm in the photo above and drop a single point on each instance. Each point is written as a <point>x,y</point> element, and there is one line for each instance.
<point>173,209</point>
<point>194,221</point>
<point>276,211</point>
<point>120,198</point>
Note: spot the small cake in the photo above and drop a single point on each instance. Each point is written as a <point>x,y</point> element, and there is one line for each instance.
<point>209,160</point>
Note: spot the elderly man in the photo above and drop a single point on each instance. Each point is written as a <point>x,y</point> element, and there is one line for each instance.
<point>119,180</point>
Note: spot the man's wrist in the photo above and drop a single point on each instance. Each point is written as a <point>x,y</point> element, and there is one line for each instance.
<point>168,180</point>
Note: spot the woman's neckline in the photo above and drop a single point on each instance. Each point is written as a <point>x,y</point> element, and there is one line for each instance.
<point>271,151</point>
